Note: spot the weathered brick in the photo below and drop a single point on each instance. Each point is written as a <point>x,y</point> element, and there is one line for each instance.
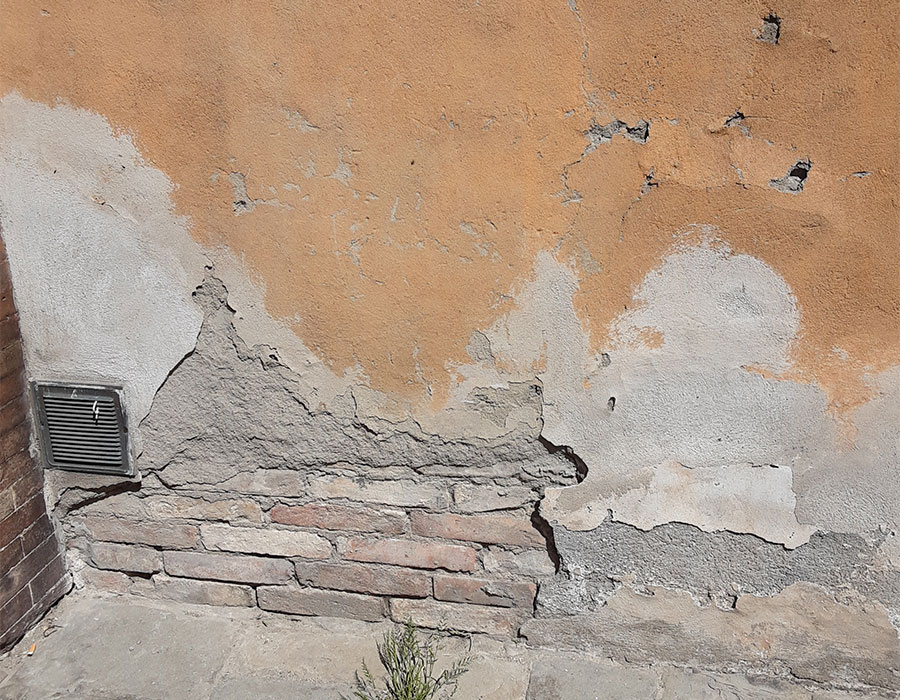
<point>186,590</point>
<point>171,506</point>
<point>455,616</point>
<point>227,567</point>
<point>487,529</point>
<point>34,561</point>
<point>123,557</point>
<point>48,577</point>
<point>155,534</point>
<point>15,440</point>
<point>12,414</point>
<point>311,601</point>
<point>334,516</point>
<point>400,492</point>
<point>361,578</point>
<point>228,510</point>
<point>31,483</point>
<point>12,386</point>
<point>21,519</point>
<point>419,555</point>
<point>470,498</point>
<point>11,359</point>
<point>15,608</point>
<point>465,589</point>
<point>9,329</point>
<point>531,562</point>
<point>11,555</point>
<point>37,532</point>
<point>257,540</point>
<point>7,503</point>
<point>13,468</point>
<point>284,483</point>
<point>105,581</point>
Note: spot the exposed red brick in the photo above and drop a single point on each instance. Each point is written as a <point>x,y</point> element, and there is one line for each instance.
<point>487,529</point>
<point>12,414</point>
<point>37,532</point>
<point>465,589</point>
<point>15,466</point>
<point>156,534</point>
<point>9,329</point>
<point>7,305</point>
<point>197,592</point>
<point>455,616</point>
<point>34,561</point>
<point>12,386</point>
<point>329,516</point>
<point>123,557</point>
<point>20,519</point>
<point>106,581</point>
<point>311,601</point>
<point>31,483</point>
<point>362,578</point>
<point>419,555</point>
<point>226,567</point>
<point>15,440</point>
<point>48,576</point>
<point>7,503</point>
<point>15,608</point>
<point>11,555</point>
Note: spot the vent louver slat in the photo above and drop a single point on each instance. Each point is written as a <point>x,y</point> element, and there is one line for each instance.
<point>82,428</point>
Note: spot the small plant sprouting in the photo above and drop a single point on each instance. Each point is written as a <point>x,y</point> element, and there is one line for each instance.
<point>408,661</point>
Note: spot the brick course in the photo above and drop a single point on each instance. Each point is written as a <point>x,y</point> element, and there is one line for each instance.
<point>418,555</point>
<point>486,529</point>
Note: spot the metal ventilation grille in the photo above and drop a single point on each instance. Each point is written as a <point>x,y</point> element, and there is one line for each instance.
<point>82,428</point>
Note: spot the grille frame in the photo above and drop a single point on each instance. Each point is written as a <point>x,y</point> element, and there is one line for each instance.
<point>73,437</point>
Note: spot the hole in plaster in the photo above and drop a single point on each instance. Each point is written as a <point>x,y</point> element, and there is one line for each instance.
<point>771,29</point>
<point>605,360</point>
<point>611,404</point>
<point>792,183</point>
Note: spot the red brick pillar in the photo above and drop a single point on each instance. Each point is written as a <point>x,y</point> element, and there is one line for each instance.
<point>32,567</point>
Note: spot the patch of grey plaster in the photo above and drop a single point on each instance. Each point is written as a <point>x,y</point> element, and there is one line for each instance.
<point>851,486</point>
<point>698,434</point>
<point>715,568</point>
<point>770,32</point>
<point>598,134</point>
<point>103,268</point>
<point>792,182</point>
<point>228,410</point>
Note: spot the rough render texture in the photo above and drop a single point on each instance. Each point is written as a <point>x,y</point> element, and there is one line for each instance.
<point>637,265</point>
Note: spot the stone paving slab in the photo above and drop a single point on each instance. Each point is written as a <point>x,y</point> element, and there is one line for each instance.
<point>128,648</point>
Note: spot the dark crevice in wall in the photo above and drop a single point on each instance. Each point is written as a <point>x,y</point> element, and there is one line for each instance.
<point>581,468</point>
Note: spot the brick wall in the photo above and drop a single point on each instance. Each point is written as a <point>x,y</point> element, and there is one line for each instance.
<point>438,551</point>
<point>32,569</point>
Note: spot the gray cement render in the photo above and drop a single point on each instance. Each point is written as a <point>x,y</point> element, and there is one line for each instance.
<point>114,648</point>
<point>714,568</point>
<point>226,410</point>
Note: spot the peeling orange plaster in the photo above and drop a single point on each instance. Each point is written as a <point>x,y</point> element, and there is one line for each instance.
<point>405,162</point>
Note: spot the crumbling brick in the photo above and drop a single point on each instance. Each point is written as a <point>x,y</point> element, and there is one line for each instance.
<point>311,601</point>
<point>227,567</point>
<point>332,516</point>
<point>362,578</point>
<point>419,555</point>
<point>487,529</point>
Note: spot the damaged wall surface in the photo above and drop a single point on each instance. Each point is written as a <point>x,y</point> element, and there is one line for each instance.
<point>570,320</point>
